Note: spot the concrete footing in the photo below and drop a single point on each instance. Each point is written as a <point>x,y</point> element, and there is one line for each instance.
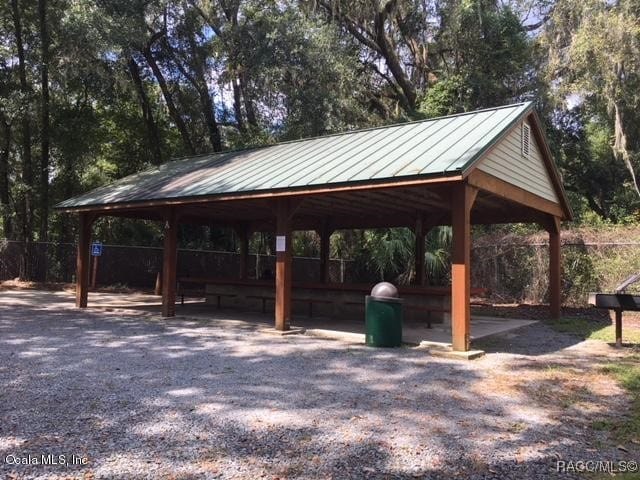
<point>445,351</point>
<point>282,333</point>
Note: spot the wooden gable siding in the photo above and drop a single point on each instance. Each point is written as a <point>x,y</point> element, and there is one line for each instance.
<point>506,162</point>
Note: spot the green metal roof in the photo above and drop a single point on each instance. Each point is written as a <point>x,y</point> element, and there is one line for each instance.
<point>443,146</point>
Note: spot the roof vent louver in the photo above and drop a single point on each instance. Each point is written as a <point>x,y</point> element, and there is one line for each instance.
<point>526,140</point>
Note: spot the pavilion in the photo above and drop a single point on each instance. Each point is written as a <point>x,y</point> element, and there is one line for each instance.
<point>485,167</point>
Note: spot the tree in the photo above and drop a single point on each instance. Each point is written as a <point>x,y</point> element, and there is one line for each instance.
<point>485,56</point>
<point>478,48</point>
<point>592,174</point>
<point>395,33</point>
<point>27,187</point>
<point>44,122</point>
<point>593,50</point>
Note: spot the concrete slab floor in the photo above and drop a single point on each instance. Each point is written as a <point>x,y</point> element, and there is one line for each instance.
<point>349,330</point>
<point>346,330</point>
<point>412,333</point>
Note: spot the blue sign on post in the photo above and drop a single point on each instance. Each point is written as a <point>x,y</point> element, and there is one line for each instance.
<point>96,249</point>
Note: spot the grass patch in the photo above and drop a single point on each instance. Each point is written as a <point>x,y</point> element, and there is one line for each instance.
<point>627,372</point>
<point>594,330</point>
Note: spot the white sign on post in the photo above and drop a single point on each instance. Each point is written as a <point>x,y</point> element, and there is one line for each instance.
<point>281,243</point>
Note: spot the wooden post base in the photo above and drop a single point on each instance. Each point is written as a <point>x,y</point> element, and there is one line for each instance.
<point>169,263</point>
<point>618,328</point>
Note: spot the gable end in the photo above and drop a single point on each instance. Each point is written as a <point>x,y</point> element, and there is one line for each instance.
<point>517,159</point>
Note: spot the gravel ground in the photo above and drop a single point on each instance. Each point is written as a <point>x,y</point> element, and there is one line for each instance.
<point>146,398</point>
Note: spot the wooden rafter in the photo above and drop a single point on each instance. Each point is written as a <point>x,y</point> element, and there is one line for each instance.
<point>500,188</point>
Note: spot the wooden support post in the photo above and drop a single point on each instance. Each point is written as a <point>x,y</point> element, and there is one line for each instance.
<point>83,259</point>
<point>552,225</point>
<point>420,234</point>
<point>284,213</point>
<point>169,263</point>
<point>555,271</point>
<point>325,251</point>
<point>462,200</point>
<point>243,234</point>
<point>618,328</point>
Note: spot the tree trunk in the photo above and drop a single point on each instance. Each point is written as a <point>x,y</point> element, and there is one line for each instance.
<point>173,111</point>
<point>210,119</point>
<point>66,231</point>
<point>377,39</point>
<point>147,112</point>
<point>620,149</point>
<point>43,234</point>
<point>237,104</point>
<point>248,104</point>
<point>208,108</point>
<point>26,203</point>
<point>199,83</point>
<point>407,91</point>
<point>7,227</point>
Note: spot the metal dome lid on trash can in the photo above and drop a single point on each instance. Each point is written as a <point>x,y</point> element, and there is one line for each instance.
<point>385,291</point>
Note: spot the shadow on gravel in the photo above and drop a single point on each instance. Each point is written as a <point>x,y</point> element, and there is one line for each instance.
<point>535,339</point>
<point>186,399</point>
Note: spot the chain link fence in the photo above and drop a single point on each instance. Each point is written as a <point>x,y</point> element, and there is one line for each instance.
<point>130,266</point>
<point>513,272</point>
<point>518,273</point>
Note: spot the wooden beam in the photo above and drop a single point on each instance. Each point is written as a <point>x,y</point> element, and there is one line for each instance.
<point>500,188</point>
<point>370,221</point>
<point>462,197</point>
<point>325,247</point>
<point>83,258</point>
<point>427,198</point>
<point>389,201</point>
<point>552,225</point>
<point>285,193</point>
<point>420,234</point>
<point>169,263</point>
<point>337,205</point>
<point>284,212</point>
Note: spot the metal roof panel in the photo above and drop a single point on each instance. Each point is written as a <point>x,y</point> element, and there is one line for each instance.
<point>438,146</point>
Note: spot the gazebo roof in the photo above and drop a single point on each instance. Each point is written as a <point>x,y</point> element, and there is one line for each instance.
<point>440,147</point>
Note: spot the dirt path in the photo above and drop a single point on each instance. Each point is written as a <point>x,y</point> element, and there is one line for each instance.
<point>145,398</point>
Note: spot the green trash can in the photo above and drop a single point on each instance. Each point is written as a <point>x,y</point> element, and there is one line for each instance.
<point>383,316</point>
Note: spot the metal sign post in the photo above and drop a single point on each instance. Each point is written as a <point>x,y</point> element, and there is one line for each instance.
<point>96,252</point>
